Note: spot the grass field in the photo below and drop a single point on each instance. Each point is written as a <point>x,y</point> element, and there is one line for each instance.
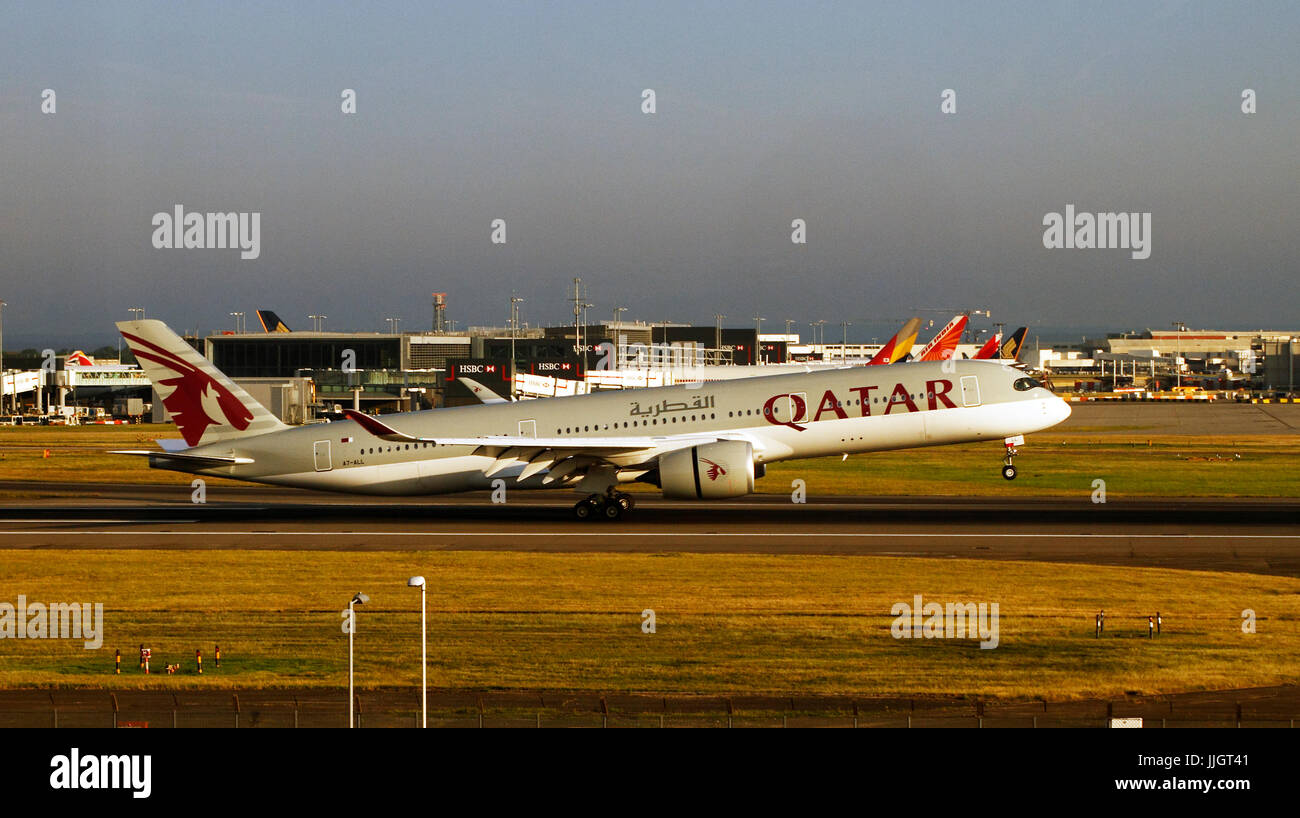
<point>725,623</point>
<point>1132,464</point>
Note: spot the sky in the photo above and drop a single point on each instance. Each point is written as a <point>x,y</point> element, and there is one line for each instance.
<point>532,113</point>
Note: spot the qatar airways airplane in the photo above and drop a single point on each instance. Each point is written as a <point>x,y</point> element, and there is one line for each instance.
<point>705,441</point>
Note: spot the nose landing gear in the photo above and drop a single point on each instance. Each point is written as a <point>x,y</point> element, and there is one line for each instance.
<point>608,506</point>
<point>1009,462</point>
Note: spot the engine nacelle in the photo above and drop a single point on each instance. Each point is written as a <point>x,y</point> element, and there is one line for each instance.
<point>709,472</point>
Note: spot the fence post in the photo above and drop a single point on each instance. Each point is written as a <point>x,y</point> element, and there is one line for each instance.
<point>235,697</point>
<point>113,696</point>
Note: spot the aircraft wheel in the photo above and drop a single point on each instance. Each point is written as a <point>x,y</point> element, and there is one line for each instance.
<point>625,501</point>
<point>1009,472</point>
<point>582,510</point>
<point>612,511</point>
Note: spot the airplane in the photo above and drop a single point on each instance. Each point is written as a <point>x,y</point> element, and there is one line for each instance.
<point>944,344</point>
<point>896,348</point>
<point>708,441</point>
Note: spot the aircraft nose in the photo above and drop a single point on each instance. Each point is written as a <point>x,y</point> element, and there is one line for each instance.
<point>1061,410</point>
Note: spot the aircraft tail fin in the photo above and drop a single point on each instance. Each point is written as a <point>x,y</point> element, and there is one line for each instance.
<point>271,322</point>
<point>896,348</point>
<point>990,348</point>
<point>944,344</point>
<point>1011,348</point>
<point>206,405</point>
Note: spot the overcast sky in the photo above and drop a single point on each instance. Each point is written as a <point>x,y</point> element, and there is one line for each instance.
<point>531,112</point>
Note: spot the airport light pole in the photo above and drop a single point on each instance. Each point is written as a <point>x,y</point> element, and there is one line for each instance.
<point>1178,354</point>
<point>619,340</point>
<point>239,321</point>
<point>359,599</point>
<point>717,333</point>
<point>392,324</point>
<point>317,321</point>
<point>515,301</point>
<point>844,350</point>
<point>418,582</point>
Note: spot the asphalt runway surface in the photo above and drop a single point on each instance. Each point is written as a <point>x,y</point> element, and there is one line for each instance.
<point>1182,417</point>
<point>1256,536</point>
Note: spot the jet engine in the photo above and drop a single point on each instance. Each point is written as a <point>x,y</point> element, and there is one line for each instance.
<point>709,472</point>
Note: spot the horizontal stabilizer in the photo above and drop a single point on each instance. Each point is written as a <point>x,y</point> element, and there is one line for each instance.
<point>196,459</point>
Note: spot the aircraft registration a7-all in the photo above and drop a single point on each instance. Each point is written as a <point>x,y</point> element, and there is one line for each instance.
<point>695,442</point>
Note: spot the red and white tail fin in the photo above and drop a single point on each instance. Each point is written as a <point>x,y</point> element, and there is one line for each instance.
<point>896,348</point>
<point>206,405</point>
<point>990,348</point>
<point>944,344</point>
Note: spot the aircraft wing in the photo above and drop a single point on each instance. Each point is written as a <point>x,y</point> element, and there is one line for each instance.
<point>560,455</point>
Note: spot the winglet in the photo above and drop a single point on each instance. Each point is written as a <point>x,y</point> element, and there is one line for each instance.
<point>382,430</point>
<point>481,392</point>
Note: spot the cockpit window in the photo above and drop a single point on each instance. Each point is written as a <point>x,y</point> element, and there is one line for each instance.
<point>1025,384</point>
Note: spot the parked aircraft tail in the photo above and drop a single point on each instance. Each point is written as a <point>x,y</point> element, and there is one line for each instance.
<point>271,322</point>
<point>990,348</point>
<point>1011,348</point>
<point>896,348</point>
<point>944,344</point>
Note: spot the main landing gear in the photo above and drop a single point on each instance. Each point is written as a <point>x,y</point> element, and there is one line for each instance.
<point>607,506</point>
<point>1009,462</point>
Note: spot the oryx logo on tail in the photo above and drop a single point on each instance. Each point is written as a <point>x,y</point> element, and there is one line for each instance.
<point>196,400</point>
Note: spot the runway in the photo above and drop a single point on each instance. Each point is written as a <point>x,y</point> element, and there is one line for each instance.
<point>1252,536</point>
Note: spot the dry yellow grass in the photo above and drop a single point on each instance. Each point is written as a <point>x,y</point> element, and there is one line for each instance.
<point>725,623</point>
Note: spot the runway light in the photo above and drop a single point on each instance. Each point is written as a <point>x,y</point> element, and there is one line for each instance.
<point>359,599</point>
<point>418,582</point>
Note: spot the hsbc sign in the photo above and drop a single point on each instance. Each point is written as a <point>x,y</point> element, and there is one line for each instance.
<point>550,367</point>
<point>478,369</point>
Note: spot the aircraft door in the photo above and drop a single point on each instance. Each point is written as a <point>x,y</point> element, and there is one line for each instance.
<point>528,428</point>
<point>970,390</point>
<point>321,453</point>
